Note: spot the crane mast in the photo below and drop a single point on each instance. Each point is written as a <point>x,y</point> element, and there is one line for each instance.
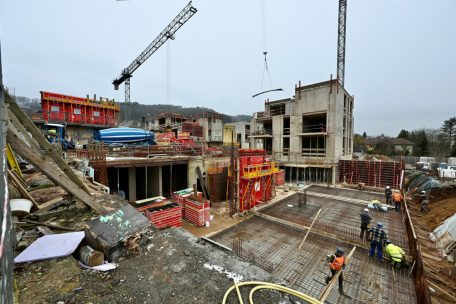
<point>341,42</point>
<point>167,33</point>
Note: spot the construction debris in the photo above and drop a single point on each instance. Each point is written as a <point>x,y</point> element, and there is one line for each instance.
<point>51,246</point>
<point>107,233</point>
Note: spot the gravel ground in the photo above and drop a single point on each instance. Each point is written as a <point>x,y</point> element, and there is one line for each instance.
<point>170,268</point>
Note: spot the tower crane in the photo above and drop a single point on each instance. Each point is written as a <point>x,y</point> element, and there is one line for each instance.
<point>168,33</point>
<point>341,42</point>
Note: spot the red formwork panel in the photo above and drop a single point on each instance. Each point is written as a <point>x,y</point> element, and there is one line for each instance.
<point>197,210</point>
<point>62,108</point>
<point>371,173</point>
<point>169,215</point>
<point>280,178</point>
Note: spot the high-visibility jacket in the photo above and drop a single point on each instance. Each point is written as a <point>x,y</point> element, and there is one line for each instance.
<point>397,197</point>
<point>337,263</point>
<point>395,252</point>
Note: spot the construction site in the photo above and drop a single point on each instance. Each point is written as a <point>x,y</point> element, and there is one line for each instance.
<point>190,209</point>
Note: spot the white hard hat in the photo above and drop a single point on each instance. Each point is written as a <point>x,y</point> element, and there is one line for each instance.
<point>366,210</point>
<point>423,192</point>
<point>387,187</point>
<point>397,191</point>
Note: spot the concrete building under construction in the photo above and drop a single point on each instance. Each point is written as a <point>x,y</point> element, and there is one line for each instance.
<point>309,133</point>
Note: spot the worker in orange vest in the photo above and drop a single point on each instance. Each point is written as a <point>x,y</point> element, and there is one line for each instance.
<point>337,263</point>
<point>397,199</point>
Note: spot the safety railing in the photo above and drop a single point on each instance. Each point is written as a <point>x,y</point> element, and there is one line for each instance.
<point>261,132</point>
<point>315,128</point>
<point>422,291</point>
<point>314,152</point>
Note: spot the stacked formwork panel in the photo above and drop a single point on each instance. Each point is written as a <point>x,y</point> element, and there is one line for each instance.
<point>197,210</point>
<point>372,173</point>
<point>161,212</point>
<point>256,180</point>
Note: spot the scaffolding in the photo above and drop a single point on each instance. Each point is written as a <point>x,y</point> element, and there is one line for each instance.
<point>257,181</point>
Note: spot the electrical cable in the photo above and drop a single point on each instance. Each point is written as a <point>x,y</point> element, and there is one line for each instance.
<point>271,286</point>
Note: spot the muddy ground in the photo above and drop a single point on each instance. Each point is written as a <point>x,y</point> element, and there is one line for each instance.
<point>170,268</point>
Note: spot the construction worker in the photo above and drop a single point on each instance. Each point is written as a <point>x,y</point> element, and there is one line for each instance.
<point>388,194</point>
<point>397,199</point>
<point>396,254</point>
<point>377,236</point>
<point>378,206</point>
<point>424,197</point>
<point>365,221</point>
<point>337,263</point>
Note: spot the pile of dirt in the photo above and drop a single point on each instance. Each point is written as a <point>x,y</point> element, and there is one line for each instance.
<point>172,267</point>
<point>438,212</point>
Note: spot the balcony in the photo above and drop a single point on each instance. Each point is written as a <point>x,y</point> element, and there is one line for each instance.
<point>314,152</point>
<point>261,133</point>
<point>315,129</point>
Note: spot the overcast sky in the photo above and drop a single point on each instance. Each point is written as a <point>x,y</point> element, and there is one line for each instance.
<point>400,54</point>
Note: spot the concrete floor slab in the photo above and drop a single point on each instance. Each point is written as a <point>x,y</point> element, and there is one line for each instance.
<point>266,242</point>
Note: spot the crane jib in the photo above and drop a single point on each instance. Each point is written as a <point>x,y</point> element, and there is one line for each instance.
<point>167,33</point>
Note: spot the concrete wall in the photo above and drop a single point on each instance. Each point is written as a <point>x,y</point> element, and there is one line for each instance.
<point>215,126</point>
<point>240,129</point>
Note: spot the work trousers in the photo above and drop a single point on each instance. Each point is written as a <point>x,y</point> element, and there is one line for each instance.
<point>388,200</point>
<point>397,206</point>
<point>376,245</point>
<point>363,229</point>
<point>341,279</point>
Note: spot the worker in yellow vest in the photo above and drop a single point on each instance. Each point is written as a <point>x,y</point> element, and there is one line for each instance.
<point>336,264</point>
<point>396,254</point>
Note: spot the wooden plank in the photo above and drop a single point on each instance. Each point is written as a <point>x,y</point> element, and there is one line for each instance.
<point>15,121</point>
<point>441,290</point>
<point>42,141</point>
<point>54,174</point>
<point>20,179</point>
<point>308,230</point>
<point>21,189</point>
<point>51,204</point>
<point>325,293</point>
<point>48,225</point>
<point>430,256</point>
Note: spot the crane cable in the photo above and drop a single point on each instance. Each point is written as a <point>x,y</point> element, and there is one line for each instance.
<point>168,73</point>
<point>265,52</point>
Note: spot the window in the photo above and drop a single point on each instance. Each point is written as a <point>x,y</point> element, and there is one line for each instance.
<point>77,111</point>
<point>55,109</point>
<point>96,114</point>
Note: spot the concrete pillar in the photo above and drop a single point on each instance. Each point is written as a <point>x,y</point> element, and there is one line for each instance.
<point>132,184</point>
<point>333,175</point>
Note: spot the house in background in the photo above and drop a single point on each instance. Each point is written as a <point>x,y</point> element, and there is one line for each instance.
<point>389,146</point>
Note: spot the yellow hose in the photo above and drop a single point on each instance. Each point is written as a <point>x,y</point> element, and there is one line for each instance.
<point>266,285</point>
